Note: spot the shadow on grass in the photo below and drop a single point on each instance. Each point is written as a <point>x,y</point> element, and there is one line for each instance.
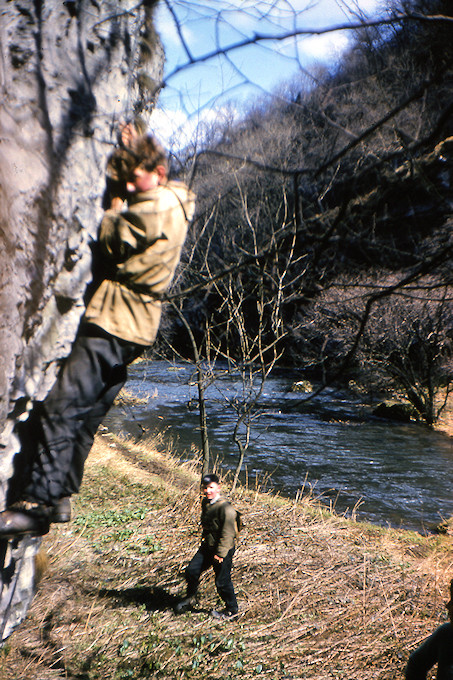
<point>154,599</point>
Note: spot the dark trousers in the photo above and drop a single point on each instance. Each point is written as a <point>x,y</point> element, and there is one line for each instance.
<point>200,562</point>
<point>59,433</point>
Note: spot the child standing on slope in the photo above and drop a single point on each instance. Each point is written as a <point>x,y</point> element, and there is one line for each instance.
<point>219,530</point>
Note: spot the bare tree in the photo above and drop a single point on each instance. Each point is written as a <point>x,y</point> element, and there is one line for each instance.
<point>351,165</point>
<point>406,346</point>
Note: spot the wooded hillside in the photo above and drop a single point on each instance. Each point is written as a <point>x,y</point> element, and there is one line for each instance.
<point>323,238</point>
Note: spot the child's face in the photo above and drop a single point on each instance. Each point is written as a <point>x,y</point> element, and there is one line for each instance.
<point>211,491</point>
<point>144,180</point>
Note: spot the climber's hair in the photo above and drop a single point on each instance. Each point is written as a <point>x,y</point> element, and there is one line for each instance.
<point>148,153</point>
<point>144,151</point>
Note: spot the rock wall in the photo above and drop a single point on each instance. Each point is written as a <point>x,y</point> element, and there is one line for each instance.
<point>69,72</point>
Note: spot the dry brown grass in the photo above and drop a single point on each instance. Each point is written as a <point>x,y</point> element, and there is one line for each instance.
<point>320,596</point>
<point>445,421</point>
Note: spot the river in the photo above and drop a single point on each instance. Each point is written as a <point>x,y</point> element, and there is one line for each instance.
<point>393,474</point>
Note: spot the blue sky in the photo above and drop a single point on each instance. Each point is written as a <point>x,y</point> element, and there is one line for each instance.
<point>199,91</point>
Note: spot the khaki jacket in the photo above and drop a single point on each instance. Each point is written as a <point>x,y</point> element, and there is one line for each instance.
<point>219,525</point>
<point>141,247</point>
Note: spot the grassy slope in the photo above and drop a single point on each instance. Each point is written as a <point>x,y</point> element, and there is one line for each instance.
<point>320,596</point>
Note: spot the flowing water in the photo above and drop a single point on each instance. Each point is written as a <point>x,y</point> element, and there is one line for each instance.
<point>392,474</point>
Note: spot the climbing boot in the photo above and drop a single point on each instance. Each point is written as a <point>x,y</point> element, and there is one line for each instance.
<point>25,519</point>
<point>224,614</point>
<point>185,604</point>
<point>62,511</point>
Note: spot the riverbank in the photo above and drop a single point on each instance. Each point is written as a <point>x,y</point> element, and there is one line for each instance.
<point>332,444</point>
<point>445,421</point>
<point>321,596</point>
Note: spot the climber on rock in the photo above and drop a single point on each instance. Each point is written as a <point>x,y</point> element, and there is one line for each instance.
<point>140,241</point>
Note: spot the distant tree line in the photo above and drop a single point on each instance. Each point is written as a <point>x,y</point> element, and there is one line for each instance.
<point>323,239</point>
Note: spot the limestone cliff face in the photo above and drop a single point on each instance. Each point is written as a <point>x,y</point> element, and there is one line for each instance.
<point>69,72</point>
